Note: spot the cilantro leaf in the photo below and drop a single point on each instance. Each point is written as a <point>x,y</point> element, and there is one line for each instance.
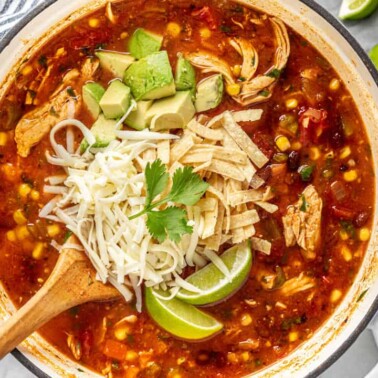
<point>171,222</point>
<point>304,204</point>
<point>187,187</point>
<point>156,180</point>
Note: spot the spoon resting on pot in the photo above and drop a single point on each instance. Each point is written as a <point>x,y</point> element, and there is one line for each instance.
<point>71,283</point>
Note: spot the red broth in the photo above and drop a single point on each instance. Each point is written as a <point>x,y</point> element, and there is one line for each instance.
<point>261,326</point>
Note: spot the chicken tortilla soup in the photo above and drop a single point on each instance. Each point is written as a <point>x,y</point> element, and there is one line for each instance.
<point>212,166</point>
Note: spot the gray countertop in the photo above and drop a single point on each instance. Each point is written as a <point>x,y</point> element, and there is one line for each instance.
<point>363,355</point>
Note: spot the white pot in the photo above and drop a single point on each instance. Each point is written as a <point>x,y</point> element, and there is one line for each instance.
<point>353,66</point>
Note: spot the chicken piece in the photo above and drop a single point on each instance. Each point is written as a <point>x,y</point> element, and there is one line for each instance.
<point>64,103</point>
<point>302,223</point>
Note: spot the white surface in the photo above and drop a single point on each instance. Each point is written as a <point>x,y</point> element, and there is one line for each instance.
<point>363,355</point>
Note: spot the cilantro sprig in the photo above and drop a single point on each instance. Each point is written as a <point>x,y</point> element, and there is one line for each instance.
<point>187,189</point>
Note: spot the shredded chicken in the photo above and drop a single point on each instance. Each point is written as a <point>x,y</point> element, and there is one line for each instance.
<point>302,222</point>
<point>297,284</point>
<point>64,103</point>
<point>254,89</point>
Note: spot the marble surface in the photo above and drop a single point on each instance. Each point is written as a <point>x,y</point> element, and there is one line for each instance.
<point>363,355</point>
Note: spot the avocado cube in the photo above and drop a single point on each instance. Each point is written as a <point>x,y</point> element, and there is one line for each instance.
<point>151,77</point>
<point>209,93</point>
<point>103,130</point>
<point>137,119</point>
<point>171,113</point>
<point>116,100</point>
<point>92,94</point>
<point>185,75</point>
<point>143,43</point>
<point>114,62</point>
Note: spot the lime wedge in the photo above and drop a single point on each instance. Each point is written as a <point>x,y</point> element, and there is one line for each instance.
<point>357,9</point>
<point>181,319</point>
<point>213,286</point>
<point>374,55</point>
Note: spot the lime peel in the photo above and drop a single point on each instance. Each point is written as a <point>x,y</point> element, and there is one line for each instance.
<point>357,9</point>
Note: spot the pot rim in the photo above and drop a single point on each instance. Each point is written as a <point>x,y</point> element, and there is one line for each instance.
<point>8,37</point>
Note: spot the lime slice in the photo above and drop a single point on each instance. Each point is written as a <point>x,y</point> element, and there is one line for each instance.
<point>374,55</point>
<point>181,319</point>
<point>357,9</point>
<point>213,285</point>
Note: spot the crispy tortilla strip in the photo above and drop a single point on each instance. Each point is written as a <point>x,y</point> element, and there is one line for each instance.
<point>180,148</point>
<point>244,196</point>
<point>176,165</point>
<point>257,182</point>
<point>210,222</point>
<point>207,204</point>
<point>214,241</point>
<point>250,115</point>
<point>261,245</point>
<point>244,219</point>
<point>220,196</point>
<point>201,169</point>
<point>194,157</point>
<point>149,155</point>
<point>225,239</point>
<point>215,122</point>
<point>243,140</point>
<point>225,169</point>
<point>234,155</point>
<point>163,151</point>
<point>204,131</point>
<point>269,207</point>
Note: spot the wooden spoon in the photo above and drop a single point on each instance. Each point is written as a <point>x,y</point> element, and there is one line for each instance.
<point>72,282</point>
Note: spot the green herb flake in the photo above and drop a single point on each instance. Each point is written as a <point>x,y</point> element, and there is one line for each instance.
<point>264,93</point>
<point>71,92</point>
<point>306,172</point>
<point>242,79</point>
<point>67,235</point>
<point>42,61</point>
<point>362,295</point>
<point>304,205</point>
<point>225,29</point>
<point>258,362</point>
<point>53,112</point>
<point>348,228</point>
<point>275,73</point>
<point>80,370</point>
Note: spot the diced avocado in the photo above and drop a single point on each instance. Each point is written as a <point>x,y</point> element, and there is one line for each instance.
<point>209,93</point>
<point>185,75</point>
<point>92,94</point>
<point>171,113</point>
<point>143,43</point>
<point>138,118</point>
<point>151,77</point>
<point>114,62</point>
<point>103,130</point>
<point>116,100</point>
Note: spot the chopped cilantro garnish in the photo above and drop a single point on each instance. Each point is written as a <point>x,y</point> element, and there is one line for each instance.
<point>362,295</point>
<point>71,92</point>
<point>67,235</point>
<point>348,228</point>
<point>42,60</point>
<point>304,205</point>
<point>264,93</point>
<point>306,172</point>
<point>276,73</point>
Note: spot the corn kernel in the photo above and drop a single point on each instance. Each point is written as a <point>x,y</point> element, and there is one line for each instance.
<point>296,146</point>
<point>53,230</point>
<point>22,232</point>
<point>24,190</point>
<point>34,195</point>
<point>3,139</point>
<point>121,333</point>
<point>233,89</point>
<point>350,175</point>
<point>173,29</point>
<point>231,357</point>
<point>364,234</point>
<point>334,85</point>
<point>94,22</point>
<point>11,236</point>
<point>314,153</point>
<point>345,152</point>
<point>60,52</point>
<point>344,235</point>
<point>40,280</point>
<point>246,320</point>
<point>335,295</point>
<point>124,35</point>
<point>131,355</point>
<point>38,251</point>
<point>181,360</point>
<point>27,70</point>
<point>293,336</point>
<point>291,103</point>
<point>245,356</point>
<point>205,33</point>
<point>346,253</point>
<point>236,70</point>
<point>19,217</point>
<point>283,143</point>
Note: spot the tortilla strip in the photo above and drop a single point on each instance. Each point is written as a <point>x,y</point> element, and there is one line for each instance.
<point>163,151</point>
<point>222,153</point>
<point>261,245</point>
<point>214,242</point>
<point>204,131</point>
<point>244,219</point>
<point>210,222</point>
<point>215,122</point>
<point>243,140</point>
<point>196,157</point>
<point>207,204</point>
<point>257,182</point>
<point>202,168</point>
<point>149,155</point>
<point>180,148</point>
<point>244,196</point>
<point>249,115</point>
<point>225,169</point>
<point>220,196</point>
<point>269,207</point>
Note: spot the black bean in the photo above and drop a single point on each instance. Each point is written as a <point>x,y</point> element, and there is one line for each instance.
<point>361,219</point>
<point>293,161</point>
<point>343,168</point>
<point>337,139</point>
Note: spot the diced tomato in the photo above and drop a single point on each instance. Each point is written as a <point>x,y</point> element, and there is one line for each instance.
<point>265,143</point>
<point>342,213</point>
<point>90,39</point>
<point>205,14</point>
<point>115,349</point>
<point>313,123</point>
<point>86,339</point>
